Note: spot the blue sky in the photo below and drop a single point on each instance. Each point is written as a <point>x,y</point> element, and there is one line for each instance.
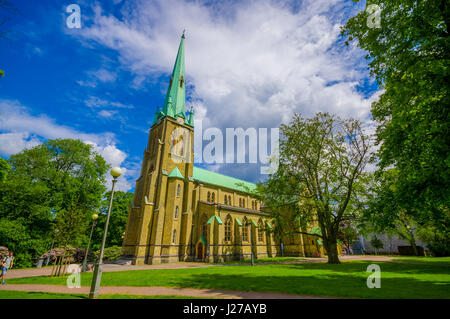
<point>248,64</point>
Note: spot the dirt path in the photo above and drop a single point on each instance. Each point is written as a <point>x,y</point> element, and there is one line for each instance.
<point>46,271</point>
<point>152,291</point>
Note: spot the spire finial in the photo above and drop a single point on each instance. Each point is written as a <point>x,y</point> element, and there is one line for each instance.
<point>184,31</point>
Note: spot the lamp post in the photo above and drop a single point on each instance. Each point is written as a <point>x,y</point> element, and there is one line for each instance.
<point>94,221</point>
<point>95,286</point>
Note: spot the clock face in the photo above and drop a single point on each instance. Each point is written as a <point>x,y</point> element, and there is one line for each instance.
<point>180,120</point>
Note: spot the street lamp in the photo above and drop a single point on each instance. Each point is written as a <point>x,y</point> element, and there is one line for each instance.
<point>95,286</point>
<point>94,220</point>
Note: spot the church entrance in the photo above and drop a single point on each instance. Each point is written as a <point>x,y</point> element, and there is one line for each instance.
<point>200,251</point>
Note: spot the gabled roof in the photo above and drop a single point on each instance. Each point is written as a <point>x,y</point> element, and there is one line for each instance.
<point>213,178</point>
<point>176,173</point>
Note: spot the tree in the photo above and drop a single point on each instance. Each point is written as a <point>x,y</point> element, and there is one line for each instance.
<point>53,186</point>
<point>409,57</point>
<point>347,235</point>
<point>118,220</point>
<point>4,168</point>
<point>384,214</point>
<point>320,173</point>
<point>376,243</point>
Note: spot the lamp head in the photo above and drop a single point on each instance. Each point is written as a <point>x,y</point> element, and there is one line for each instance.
<point>116,172</point>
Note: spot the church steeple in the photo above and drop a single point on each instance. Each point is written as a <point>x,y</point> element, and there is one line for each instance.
<point>175,101</point>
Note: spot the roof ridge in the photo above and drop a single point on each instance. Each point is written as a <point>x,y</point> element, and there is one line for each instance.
<point>239,179</point>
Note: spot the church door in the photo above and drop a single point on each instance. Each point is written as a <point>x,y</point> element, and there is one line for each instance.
<point>200,251</point>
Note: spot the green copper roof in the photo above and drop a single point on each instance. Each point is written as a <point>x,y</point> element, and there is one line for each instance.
<point>214,178</point>
<point>174,103</point>
<point>176,173</point>
<point>268,225</point>
<point>253,222</point>
<point>316,231</point>
<point>238,221</point>
<point>214,217</point>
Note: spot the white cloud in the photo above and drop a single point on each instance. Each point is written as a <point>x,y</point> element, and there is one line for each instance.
<point>94,101</point>
<point>94,77</point>
<point>19,130</point>
<point>252,66</point>
<point>107,114</point>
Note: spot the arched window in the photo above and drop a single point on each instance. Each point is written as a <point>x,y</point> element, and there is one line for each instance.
<point>209,197</point>
<point>253,205</point>
<point>225,199</point>
<point>240,202</point>
<point>256,205</point>
<point>204,230</point>
<point>178,190</point>
<point>228,229</point>
<point>213,197</point>
<point>245,229</point>
<point>174,236</point>
<point>229,200</point>
<point>243,203</point>
<point>176,212</point>
<point>260,231</point>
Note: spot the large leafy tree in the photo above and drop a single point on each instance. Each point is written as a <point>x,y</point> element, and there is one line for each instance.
<point>118,220</point>
<point>321,173</point>
<point>383,212</point>
<point>53,186</point>
<point>409,57</point>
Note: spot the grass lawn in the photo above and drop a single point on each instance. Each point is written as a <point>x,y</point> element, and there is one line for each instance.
<point>12,294</point>
<point>432,260</point>
<point>265,260</point>
<point>348,279</point>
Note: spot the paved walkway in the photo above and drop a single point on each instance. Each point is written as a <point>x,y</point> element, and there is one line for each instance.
<point>47,271</point>
<point>153,291</point>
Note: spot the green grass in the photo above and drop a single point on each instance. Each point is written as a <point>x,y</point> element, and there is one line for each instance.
<point>348,279</point>
<point>265,260</point>
<point>13,294</point>
<point>432,260</point>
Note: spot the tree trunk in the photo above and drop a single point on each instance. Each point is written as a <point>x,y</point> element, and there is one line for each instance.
<point>332,253</point>
<point>414,246</point>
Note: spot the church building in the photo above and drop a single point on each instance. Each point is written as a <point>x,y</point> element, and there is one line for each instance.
<point>181,212</point>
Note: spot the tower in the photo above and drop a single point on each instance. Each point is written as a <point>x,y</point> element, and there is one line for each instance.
<point>160,217</point>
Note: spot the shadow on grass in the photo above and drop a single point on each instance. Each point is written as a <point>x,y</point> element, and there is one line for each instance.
<point>347,280</point>
<point>326,286</point>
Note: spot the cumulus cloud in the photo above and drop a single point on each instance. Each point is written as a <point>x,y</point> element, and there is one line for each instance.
<point>20,130</point>
<point>248,64</point>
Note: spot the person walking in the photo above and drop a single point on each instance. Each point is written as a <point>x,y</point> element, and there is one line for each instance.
<point>7,263</point>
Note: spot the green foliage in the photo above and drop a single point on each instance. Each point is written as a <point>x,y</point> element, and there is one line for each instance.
<point>437,241</point>
<point>110,253</point>
<point>117,221</point>
<point>4,168</point>
<point>320,175</point>
<point>376,243</point>
<point>2,73</point>
<point>347,235</point>
<point>409,56</point>
<point>50,191</point>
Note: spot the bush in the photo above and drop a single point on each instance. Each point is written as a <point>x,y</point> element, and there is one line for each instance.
<point>110,253</point>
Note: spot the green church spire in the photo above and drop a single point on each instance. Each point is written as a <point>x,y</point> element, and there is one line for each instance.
<point>175,102</point>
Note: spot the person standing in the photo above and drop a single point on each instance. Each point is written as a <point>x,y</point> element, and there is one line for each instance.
<point>7,263</point>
